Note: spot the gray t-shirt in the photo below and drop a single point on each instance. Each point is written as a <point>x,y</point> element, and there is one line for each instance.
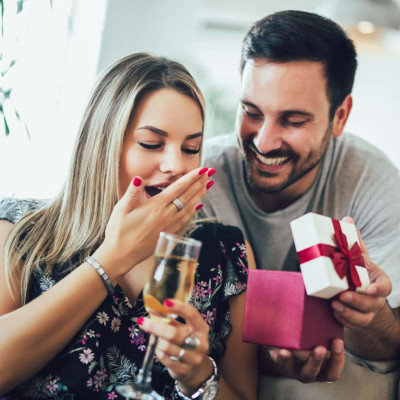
<point>355,179</point>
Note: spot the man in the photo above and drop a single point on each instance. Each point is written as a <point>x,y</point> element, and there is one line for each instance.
<point>292,157</point>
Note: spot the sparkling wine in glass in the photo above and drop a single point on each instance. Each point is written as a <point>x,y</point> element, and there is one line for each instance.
<point>172,277</point>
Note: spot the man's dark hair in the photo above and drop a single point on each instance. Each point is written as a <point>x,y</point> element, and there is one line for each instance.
<point>288,36</point>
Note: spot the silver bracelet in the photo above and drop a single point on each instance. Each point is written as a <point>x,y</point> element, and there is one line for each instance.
<point>104,277</point>
<point>207,391</point>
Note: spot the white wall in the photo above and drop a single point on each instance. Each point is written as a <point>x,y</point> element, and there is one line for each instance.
<point>193,33</point>
<point>376,111</point>
<point>205,35</point>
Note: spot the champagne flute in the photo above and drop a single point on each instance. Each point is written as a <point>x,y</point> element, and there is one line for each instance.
<point>172,277</point>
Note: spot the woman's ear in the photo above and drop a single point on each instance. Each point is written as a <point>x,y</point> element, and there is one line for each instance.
<point>341,115</point>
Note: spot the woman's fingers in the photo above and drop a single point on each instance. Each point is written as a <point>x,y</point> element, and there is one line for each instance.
<point>177,353</point>
<point>185,359</point>
<point>193,184</point>
<point>193,188</point>
<point>188,313</point>
<point>182,362</point>
<point>131,196</point>
<point>174,333</point>
<point>183,217</point>
<point>141,225</point>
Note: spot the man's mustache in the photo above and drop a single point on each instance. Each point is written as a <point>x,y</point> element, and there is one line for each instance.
<point>273,153</point>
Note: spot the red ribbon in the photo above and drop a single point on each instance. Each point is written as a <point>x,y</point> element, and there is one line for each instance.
<point>344,260</point>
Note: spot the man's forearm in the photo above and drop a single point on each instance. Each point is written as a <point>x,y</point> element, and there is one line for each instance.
<point>380,340</point>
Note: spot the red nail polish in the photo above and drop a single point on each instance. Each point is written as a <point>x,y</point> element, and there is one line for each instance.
<point>168,303</point>
<point>137,181</point>
<point>139,320</point>
<point>201,172</point>
<point>198,207</point>
<point>212,171</point>
<point>209,184</point>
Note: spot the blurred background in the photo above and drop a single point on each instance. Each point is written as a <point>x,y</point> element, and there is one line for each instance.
<point>52,50</point>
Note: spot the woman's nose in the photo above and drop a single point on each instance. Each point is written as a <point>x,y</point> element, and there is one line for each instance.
<point>173,163</point>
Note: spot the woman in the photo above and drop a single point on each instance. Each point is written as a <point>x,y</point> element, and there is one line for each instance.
<point>66,333</point>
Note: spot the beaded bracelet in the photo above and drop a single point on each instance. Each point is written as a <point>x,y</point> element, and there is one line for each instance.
<point>104,277</point>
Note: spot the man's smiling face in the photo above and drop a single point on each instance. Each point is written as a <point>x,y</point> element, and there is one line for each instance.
<point>283,124</point>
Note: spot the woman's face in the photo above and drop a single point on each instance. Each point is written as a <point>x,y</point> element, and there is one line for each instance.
<point>162,142</point>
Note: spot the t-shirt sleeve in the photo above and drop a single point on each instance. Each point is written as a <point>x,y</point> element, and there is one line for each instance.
<point>377,216</point>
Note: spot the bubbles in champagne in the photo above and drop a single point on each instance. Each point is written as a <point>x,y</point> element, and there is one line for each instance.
<point>173,278</point>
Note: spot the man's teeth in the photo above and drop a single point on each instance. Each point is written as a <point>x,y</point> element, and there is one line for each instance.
<point>271,160</point>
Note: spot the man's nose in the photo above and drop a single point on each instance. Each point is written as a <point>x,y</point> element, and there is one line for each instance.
<point>268,137</point>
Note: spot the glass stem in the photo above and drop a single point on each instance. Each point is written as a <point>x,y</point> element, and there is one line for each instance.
<point>143,378</point>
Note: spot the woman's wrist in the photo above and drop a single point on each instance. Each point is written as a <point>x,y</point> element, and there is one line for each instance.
<point>102,274</point>
<point>190,386</point>
<point>207,389</point>
<point>110,262</point>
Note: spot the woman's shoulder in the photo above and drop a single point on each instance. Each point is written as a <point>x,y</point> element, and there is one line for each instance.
<point>13,209</point>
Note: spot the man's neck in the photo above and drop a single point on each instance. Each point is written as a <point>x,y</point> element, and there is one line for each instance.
<point>271,202</point>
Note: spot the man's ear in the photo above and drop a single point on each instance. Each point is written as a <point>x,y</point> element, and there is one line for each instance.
<point>341,115</point>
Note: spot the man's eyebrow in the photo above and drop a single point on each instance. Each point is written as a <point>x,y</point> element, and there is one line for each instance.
<point>286,113</point>
<point>160,132</point>
<point>303,113</point>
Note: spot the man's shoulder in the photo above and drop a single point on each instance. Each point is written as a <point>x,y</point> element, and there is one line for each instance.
<point>355,159</point>
<point>222,152</point>
<point>215,146</point>
<point>358,152</point>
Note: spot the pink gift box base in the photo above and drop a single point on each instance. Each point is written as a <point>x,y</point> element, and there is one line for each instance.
<point>278,313</point>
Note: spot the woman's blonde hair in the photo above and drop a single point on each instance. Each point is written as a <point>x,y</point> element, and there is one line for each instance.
<point>70,227</point>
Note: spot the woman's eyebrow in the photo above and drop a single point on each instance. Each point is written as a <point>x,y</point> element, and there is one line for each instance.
<point>154,130</point>
<point>194,135</point>
<point>160,132</point>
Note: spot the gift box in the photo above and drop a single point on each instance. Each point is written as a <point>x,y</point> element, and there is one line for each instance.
<point>329,254</point>
<point>279,313</point>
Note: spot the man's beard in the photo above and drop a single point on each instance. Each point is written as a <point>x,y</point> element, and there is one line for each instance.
<point>312,160</point>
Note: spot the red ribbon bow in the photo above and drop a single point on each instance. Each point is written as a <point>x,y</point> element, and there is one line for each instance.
<point>344,260</point>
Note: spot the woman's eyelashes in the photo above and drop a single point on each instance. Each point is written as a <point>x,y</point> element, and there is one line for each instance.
<point>150,146</point>
<point>191,151</point>
<point>250,114</point>
<point>157,146</point>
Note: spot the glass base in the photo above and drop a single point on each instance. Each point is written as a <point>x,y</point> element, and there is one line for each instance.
<point>138,393</point>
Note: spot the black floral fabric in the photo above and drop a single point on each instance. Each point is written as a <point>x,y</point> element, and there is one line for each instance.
<point>110,347</point>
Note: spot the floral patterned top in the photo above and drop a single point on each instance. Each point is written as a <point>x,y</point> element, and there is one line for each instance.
<point>110,347</point>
